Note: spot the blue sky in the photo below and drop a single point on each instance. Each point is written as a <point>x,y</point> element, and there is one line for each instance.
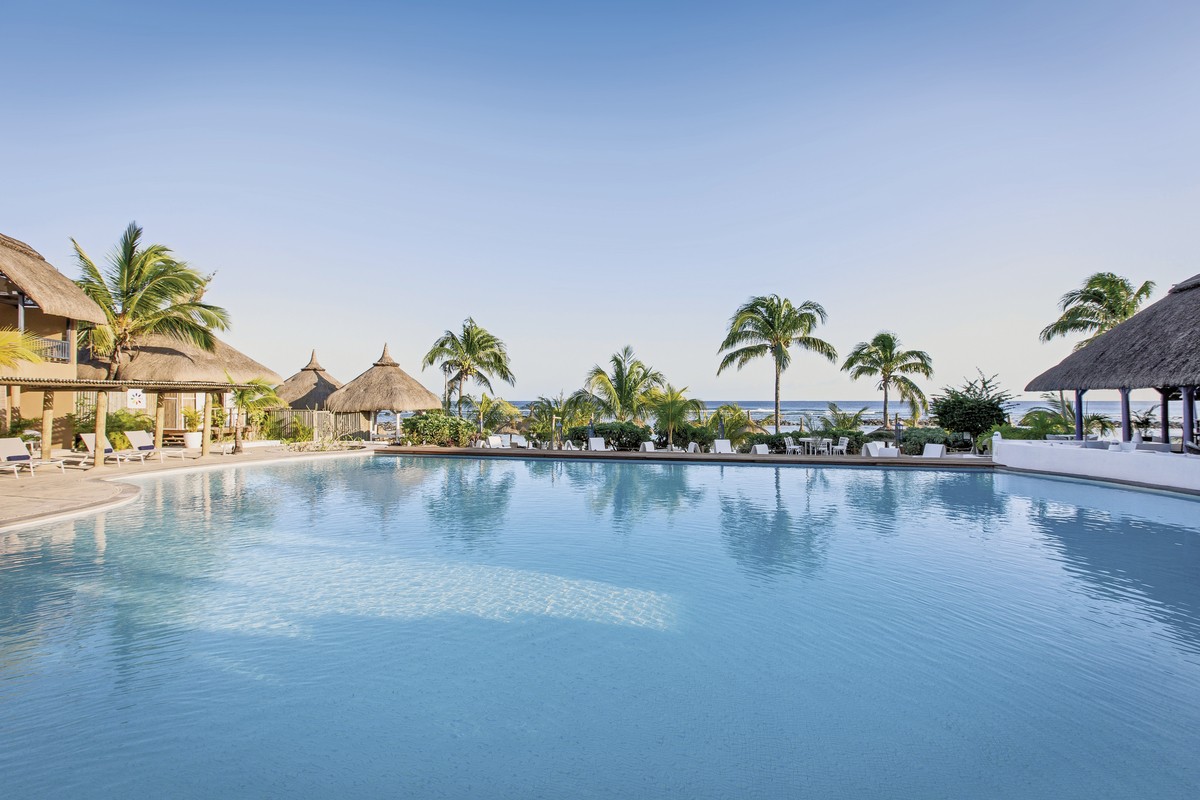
<point>579,176</point>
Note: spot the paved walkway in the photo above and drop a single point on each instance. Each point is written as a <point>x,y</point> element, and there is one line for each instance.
<point>51,493</point>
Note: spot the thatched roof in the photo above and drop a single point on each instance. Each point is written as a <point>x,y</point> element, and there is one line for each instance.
<point>1157,347</point>
<point>53,292</point>
<point>164,358</point>
<point>308,388</point>
<point>384,387</point>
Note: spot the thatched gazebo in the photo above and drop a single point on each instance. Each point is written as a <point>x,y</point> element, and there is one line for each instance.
<point>1156,348</point>
<point>384,387</point>
<point>309,388</point>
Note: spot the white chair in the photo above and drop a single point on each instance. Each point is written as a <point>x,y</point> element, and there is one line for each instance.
<point>722,446</point>
<point>518,440</point>
<point>506,440</point>
<point>596,444</point>
<point>495,441</point>
<point>15,455</point>
<point>693,447</point>
<point>822,446</point>
<point>877,450</point>
<point>107,451</point>
<point>760,450</point>
<point>647,447</point>
<point>840,447</point>
<point>143,442</point>
<point>569,445</point>
<point>934,451</point>
<point>790,446</point>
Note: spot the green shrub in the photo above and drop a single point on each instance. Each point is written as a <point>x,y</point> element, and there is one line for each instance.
<point>115,425</point>
<point>984,442</point>
<point>857,438</point>
<point>915,439</point>
<point>774,441</point>
<point>438,429</point>
<point>620,435</point>
<point>686,434</point>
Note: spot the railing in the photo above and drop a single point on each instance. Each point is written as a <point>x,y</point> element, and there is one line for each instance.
<point>54,349</point>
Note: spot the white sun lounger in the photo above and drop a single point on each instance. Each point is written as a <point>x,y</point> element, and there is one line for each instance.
<point>569,445</point>
<point>722,446</point>
<point>596,443</point>
<point>877,450</point>
<point>143,442</point>
<point>647,447</point>
<point>15,455</point>
<point>518,440</point>
<point>934,451</point>
<point>760,450</point>
<point>89,441</point>
<point>693,447</point>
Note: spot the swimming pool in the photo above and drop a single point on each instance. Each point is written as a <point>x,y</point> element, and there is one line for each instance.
<point>511,628</point>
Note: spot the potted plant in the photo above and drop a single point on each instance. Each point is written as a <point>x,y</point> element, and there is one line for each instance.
<point>192,437</point>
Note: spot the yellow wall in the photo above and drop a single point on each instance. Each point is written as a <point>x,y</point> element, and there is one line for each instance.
<point>46,326</point>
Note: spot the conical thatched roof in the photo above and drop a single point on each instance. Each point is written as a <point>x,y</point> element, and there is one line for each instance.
<point>163,358</point>
<point>308,388</point>
<point>384,387</point>
<point>53,292</point>
<point>1157,347</point>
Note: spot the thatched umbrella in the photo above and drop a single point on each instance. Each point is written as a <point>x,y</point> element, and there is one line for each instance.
<point>308,388</point>
<point>384,387</point>
<point>52,292</point>
<point>165,358</point>
<point>1156,348</point>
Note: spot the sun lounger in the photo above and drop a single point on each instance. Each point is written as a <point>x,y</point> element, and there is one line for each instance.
<point>760,450</point>
<point>722,446</point>
<point>647,447</point>
<point>934,451</point>
<point>693,447</point>
<point>89,441</point>
<point>569,445</point>
<point>877,450</point>
<point>518,440</point>
<point>596,443</point>
<point>15,455</point>
<point>495,441</point>
<point>143,442</point>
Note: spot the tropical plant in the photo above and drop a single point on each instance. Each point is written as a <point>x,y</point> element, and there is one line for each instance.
<point>770,326</point>
<point>251,399</point>
<point>492,413</point>
<point>1144,420</point>
<point>192,417</point>
<point>738,424</point>
<point>882,358</point>
<point>915,440</point>
<point>145,291</point>
<point>672,408</point>
<point>436,428</point>
<point>567,411</point>
<point>17,346</point>
<point>1058,416</point>
<point>837,418</point>
<point>618,435</point>
<point>472,355</point>
<point>624,393</point>
<point>687,433</point>
<point>1104,301</point>
<point>972,408</point>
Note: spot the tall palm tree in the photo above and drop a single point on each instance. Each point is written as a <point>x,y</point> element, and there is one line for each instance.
<point>255,397</point>
<point>624,392</point>
<point>473,355</point>
<point>1104,301</point>
<point>144,290</point>
<point>17,346</point>
<point>672,408</point>
<point>770,326</point>
<point>492,413</point>
<point>882,358</point>
<point>571,411</point>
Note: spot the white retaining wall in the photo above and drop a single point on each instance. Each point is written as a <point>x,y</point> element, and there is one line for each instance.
<point>1166,470</point>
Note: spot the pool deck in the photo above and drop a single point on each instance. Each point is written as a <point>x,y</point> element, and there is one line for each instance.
<point>51,495</point>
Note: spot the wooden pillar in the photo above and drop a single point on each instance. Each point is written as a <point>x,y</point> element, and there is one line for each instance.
<point>1189,414</point>
<point>47,423</point>
<point>160,418</point>
<point>101,421</point>
<point>1079,414</point>
<point>206,436</point>
<point>1126,422</point>
<point>1164,414</point>
<point>14,409</point>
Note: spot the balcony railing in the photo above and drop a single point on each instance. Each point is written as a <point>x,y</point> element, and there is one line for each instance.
<point>54,350</point>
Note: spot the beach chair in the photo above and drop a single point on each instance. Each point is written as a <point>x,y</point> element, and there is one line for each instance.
<point>934,451</point>
<point>596,443</point>
<point>790,446</point>
<point>840,447</point>
<point>722,446</point>
<point>89,441</point>
<point>569,445</point>
<point>760,450</point>
<point>647,447</point>
<point>518,440</point>
<point>693,447</point>
<point>15,455</point>
<point>495,441</point>
<point>877,450</point>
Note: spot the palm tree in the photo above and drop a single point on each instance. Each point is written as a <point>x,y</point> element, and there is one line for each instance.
<point>843,419</point>
<point>1058,416</point>
<point>475,354</point>
<point>771,325</point>
<point>145,291</point>
<point>737,422</point>
<point>672,408</point>
<point>493,413</point>
<point>622,394</point>
<point>882,357</point>
<point>254,397</point>
<point>1104,301</point>
<point>17,346</point>
<point>571,411</point>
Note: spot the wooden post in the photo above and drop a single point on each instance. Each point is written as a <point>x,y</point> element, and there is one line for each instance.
<point>47,423</point>
<point>14,409</point>
<point>160,419</point>
<point>1165,414</point>
<point>1126,423</point>
<point>101,421</point>
<point>1079,414</point>
<point>1189,415</point>
<point>206,436</point>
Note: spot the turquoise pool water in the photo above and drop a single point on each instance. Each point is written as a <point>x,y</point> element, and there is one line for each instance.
<point>460,628</point>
